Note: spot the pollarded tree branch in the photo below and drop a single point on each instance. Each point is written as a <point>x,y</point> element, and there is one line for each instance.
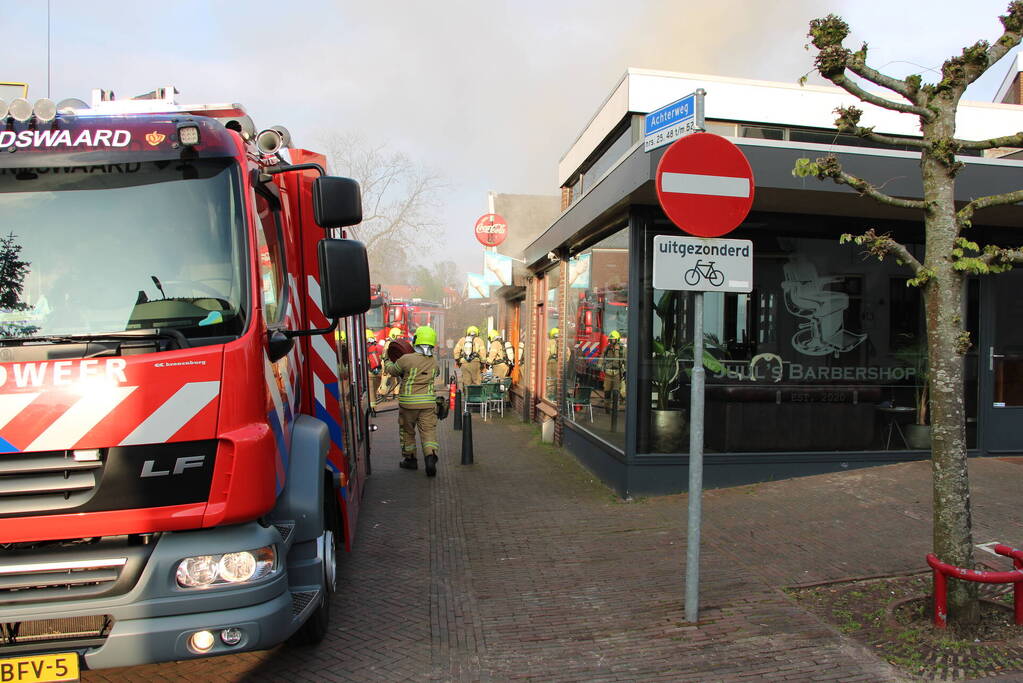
<point>884,245</point>
<point>830,167</point>
<point>853,88</point>
<point>848,121</point>
<point>909,88</point>
<point>1012,22</point>
<point>995,256</point>
<point>1015,140</point>
<point>827,35</point>
<point>965,214</point>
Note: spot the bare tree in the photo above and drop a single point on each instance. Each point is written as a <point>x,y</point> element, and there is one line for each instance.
<point>400,200</point>
<point>948,256</point>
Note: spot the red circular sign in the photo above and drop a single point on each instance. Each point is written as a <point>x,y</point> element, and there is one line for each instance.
<point>705,185</point>
<point>491,229</point>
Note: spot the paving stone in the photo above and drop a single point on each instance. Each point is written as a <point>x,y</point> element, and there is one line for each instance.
<point>523,567</point>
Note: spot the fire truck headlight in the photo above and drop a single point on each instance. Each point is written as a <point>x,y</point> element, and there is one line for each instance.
<point>188,135</point>
<point>45,110</point>
<point>20,109</point>
<point>244,566</point>
<point>197,572</point>
<point>3,109</point>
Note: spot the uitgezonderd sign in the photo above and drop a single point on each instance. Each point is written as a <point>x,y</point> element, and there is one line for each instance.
<point>699,264</point>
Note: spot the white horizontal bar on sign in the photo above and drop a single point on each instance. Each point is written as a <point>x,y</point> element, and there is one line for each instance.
<point>715,185</point>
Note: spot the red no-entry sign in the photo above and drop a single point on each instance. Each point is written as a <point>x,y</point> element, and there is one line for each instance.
<point>705,185</point>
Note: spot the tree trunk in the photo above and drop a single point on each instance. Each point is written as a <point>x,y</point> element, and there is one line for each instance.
<point>943,299</point>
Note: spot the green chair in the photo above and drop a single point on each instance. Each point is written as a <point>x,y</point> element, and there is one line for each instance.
<point>506,385</point>
<point>476,395</point>
<point>495,397</point>
<point>580,397</point>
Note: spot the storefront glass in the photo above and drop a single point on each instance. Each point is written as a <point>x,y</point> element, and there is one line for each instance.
<point>826,354</point>
<point>596,323</point>
<point>551,332</point>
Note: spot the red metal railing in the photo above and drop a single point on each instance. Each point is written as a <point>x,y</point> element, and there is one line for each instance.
<point>943,571</point>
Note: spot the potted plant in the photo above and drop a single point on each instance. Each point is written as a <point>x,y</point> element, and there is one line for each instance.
<point>914,355</point>
<point>670,425</point>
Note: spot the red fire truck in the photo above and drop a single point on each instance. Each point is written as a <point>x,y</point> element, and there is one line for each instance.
<point>183,436</point>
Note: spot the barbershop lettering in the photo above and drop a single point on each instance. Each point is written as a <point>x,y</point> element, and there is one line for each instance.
<point>811,373</point>
<point>65,138</point>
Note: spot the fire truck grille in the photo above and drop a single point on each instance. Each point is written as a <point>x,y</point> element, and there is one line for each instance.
<point>42,633</point>
<point>46,481</point>
<point>59,580</point>
<point>96,568</point>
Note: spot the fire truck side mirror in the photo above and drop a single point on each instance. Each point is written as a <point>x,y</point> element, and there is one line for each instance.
<point>337,202</point>
<point>344,277</point>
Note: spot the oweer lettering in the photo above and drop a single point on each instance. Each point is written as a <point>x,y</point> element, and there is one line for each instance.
<point>63,372</point>
<point>103,137</point>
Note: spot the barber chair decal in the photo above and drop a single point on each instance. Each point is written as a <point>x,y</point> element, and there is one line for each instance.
<point>823,331</point>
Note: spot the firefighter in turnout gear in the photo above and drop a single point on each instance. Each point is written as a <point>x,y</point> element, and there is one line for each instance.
<point>469,354</point>
<point>552,364</point>
<point>612,362</point>
<point>386,386</point>
<point>498,359</point>
<point>417,400</point>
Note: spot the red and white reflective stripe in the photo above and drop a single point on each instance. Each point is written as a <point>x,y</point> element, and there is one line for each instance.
<point>322,348</point>
<point>273,389</point>
<point>79,419</point>
<point>174,414</point>
<point>12,404</point>
<point>327,370</point>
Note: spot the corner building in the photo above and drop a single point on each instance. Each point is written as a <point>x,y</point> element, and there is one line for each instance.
<point>821,365</point>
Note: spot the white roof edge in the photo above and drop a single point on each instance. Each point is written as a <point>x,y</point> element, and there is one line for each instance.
<point>603,104</point>
<point>777,85</point>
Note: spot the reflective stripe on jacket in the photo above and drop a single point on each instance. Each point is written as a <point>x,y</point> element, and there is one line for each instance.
<point>416,374</point>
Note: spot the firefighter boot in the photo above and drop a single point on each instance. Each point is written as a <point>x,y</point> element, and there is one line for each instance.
<point>431,465</point>
<point>409,462</point>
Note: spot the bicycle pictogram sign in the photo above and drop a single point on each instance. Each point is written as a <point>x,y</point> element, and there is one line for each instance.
<point>696,264</point>
<point>704,270</point>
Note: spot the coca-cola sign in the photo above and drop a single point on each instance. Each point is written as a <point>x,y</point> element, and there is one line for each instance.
<point>491,229</point>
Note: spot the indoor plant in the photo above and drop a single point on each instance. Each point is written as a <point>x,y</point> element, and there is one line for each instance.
<point>914,355</point>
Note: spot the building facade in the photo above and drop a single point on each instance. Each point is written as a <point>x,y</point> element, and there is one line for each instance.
<point>822,366</point>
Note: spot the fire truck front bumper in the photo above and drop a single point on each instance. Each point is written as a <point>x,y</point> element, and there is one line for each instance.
<point>157,619</point>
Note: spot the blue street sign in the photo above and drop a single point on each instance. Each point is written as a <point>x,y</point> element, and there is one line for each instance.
<point>672,121</point>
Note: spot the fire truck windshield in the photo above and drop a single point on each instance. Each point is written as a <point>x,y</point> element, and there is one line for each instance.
<point>126,246</point>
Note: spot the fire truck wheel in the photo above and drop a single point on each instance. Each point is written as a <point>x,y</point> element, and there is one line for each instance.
<point>318,623</point>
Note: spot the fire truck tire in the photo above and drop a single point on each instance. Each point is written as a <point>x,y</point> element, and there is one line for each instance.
<point>318,623</point>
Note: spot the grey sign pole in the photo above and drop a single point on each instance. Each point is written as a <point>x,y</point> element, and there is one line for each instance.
<point>695,466</point>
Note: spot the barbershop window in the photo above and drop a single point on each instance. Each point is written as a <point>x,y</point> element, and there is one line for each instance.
<point>552,327</point>
<point>827,353</point>
<point>596,322</point>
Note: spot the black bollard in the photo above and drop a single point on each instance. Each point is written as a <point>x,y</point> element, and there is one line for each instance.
<point>614,410</point>
<point>458,410</point>
<point>467,439</point>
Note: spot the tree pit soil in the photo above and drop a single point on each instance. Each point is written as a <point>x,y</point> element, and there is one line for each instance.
<point>892,617</point>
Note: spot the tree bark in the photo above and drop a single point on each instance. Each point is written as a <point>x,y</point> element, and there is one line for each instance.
<point>943,301</point>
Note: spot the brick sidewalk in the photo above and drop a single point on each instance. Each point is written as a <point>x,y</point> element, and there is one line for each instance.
<point>523,567</point>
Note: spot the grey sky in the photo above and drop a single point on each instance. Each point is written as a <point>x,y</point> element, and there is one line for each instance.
<point>490,94</point>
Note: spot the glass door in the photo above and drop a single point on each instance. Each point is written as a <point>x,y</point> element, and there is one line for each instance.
<point>1002,363</point>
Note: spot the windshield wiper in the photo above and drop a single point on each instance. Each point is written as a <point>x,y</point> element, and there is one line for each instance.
<point>126,335</point>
